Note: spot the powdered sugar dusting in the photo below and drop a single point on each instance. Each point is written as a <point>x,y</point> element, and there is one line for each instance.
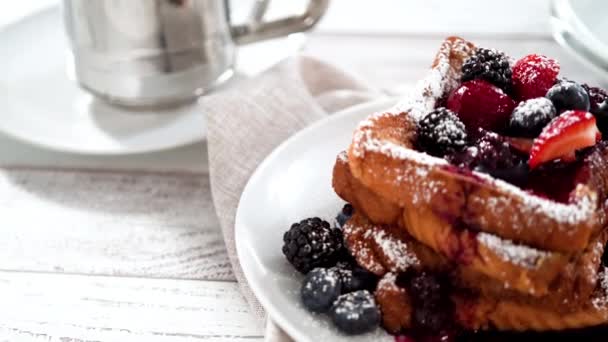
<point>441,79</point>
<point>576,213</point>
<point>600,299</point>
<point>396,151</point>
<point>520,255</point>
<point>398,256</point>
<point>379,249</point>
<point>388,281</point>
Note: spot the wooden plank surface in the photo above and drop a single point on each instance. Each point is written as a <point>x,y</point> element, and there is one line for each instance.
<point>112,223</point>
<point>60,307</point>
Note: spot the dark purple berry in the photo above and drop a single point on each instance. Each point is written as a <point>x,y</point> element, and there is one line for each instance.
<point>355,278</point>
<point>531,116</point>
<point>425,289</point>
<point>492,154</point>
<point>320,289</point>
<point>430,318</point>
<point>430,301</point>
<point>355,313</point>
<point>568,95</point>
<point>344,215</point>
<point>441,132</point>
<point>312,243</point>
<point>598,99</point>
<point>490,65</point>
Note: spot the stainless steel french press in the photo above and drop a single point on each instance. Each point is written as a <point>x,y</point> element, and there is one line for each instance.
<point>162,52</point>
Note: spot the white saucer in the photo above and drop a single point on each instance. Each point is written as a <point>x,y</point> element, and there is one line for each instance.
<point>294,182</point>
<point>41,104</point>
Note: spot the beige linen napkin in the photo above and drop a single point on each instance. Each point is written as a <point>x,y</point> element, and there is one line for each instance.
<point>247,122</point>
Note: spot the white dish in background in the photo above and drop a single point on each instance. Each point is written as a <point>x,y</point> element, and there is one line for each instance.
<point>41,104</point>
<point>294,182</point>
<point>581,28</point>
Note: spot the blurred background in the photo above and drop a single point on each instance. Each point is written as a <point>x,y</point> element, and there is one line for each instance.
<point>401,32</point>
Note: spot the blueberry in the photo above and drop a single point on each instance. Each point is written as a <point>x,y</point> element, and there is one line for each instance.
<point>344,215</point>
<point>320,289</point>
<point>355,278</point>
<point>355,313</point>
<point>568,95</point>
<point>530,117</point>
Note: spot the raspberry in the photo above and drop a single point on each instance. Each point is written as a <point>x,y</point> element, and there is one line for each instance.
<point>441,132</point>
<point>480,104</point>
<point>533,75</point>
<point>530,116</point>
<point>312,243</point>
<point>490,65</point>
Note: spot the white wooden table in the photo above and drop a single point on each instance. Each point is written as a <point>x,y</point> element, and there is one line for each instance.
<point>145,260</point>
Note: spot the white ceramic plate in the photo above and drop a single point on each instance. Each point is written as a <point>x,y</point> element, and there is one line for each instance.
<point>294,182</point>
<point>41,104</point>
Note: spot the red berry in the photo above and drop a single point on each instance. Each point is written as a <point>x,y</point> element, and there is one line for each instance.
<point>480,104</point>
<point>533,75</point>
<point>571,131</point>
<point>523,145</point>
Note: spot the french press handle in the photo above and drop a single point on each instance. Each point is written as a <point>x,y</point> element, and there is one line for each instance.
<point>256,29</point>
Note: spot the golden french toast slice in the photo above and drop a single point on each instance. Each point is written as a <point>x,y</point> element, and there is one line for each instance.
<point>525,269</point>
<point>383,158</point>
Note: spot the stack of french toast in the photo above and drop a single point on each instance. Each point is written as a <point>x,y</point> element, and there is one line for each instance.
<point>520,244</point>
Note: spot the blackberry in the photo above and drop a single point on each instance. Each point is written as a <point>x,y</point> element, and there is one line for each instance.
<point>312,243</point>
<point>344,215</point>
<point>431,302</point>
<point>597,96</point>
<point>320,289</point>
<point>531,116</point>
<point>355,313</point>
<point>568,95</point>
<point>493,155</point>
<point>490,65</point>
<point>425,288</point>
<point>355,278</point>
<point>598,99</point>
<point>441,132</point>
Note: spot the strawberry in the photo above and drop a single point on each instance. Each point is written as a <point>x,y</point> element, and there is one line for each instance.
<point>533,75</point>
<point>562,137</point>
<point>523,145</point>
<point>480,104</point>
